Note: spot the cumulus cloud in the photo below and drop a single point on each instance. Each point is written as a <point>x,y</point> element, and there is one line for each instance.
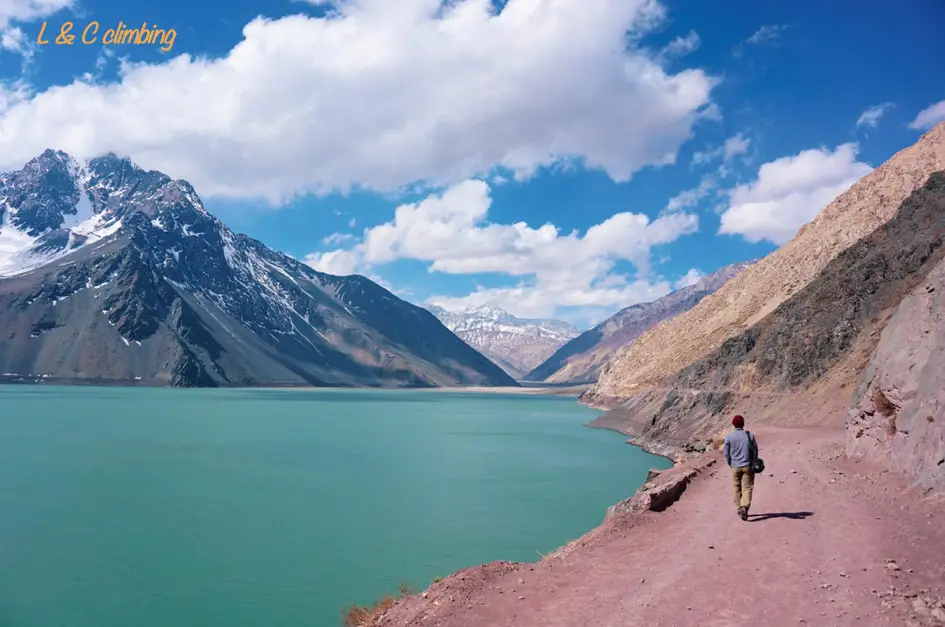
<point>870,118</point>
<point>451,232</point>
<point>929,117</point>
<point>789,192</point>
<point>383,95</point>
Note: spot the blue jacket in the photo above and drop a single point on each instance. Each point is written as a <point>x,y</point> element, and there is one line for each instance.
<point>738,448</point>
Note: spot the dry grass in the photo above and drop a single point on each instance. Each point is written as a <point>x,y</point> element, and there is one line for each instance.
<point>365,616</point>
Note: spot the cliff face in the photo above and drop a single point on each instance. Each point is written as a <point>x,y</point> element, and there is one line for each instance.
<point>898,412</point>
<point>580,360</point>
<point>759,290</point>
<point>824,332</point>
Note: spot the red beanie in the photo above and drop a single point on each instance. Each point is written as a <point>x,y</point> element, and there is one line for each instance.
<point>738,422</point>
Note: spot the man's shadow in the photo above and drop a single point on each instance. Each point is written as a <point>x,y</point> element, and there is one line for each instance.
<point>791,515</point>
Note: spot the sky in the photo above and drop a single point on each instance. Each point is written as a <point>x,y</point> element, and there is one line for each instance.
<point>556,158</point>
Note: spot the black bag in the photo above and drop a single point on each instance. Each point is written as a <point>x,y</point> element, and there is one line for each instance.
<point>757,464</point>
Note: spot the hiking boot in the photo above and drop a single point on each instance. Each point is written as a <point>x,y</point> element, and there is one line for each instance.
<point>743,513</point>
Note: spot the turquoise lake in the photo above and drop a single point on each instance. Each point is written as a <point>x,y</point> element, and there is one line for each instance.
<point>134,507</point>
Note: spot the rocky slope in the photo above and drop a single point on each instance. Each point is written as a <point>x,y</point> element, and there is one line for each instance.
<point>113,273</point>
<point>580,360</point>
<point>898,412</point>
<point>516,344</point>
<point>824,333</point>
<point>760,289</point>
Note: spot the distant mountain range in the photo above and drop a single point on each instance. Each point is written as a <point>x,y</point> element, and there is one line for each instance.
<point>516,344</point>
<point>112,273</point>
<point>581,359</point>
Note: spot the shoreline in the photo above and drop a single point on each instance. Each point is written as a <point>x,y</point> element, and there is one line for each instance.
<point>525,390</point>
<point>633,441</point>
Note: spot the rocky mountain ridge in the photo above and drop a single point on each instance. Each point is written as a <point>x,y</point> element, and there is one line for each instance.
<point>515,344</point>
<point>581,359</point>
<point>859,344</point>
<point>760,289</point>
<point>114,273</point>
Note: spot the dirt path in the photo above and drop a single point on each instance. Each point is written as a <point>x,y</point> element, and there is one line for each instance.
<point>816,551</point>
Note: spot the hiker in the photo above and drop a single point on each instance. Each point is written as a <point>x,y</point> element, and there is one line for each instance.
<point>741,451</point>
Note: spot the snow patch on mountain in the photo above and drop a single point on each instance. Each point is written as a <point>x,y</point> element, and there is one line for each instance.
<point>515,344</point>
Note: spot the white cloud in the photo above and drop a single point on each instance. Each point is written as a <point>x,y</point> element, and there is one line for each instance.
<point>336,239</point>
<point>929,117</point>
<point>730,148</point>
<point>789,192</point>
<point>690,278</point>
<point>690,197</point>
<point>28,10</point>
<point>13,39</point>
<point>767,34</point>
<point>870,118</point>
<point>679,47</point>
<point>385,94</point>
<point>451,232</point>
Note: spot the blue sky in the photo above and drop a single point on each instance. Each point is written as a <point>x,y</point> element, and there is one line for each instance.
<point>558,158</point>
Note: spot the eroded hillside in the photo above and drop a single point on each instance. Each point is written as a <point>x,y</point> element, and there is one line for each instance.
<point>811,348</point>
<point>758,291</point>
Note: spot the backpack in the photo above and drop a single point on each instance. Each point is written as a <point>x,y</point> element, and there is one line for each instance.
<point>757,464</point>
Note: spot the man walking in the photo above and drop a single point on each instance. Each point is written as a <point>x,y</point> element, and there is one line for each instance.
<point>741,450</point>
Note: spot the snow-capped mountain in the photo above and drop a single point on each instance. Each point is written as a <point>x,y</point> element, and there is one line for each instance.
<point>110,272</point>
<point>516,344</point>
<point>580,360</point>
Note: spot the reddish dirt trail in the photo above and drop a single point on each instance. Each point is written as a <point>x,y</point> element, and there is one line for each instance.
<point>814,552</point>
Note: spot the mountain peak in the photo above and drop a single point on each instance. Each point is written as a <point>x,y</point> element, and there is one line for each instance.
<point>169,295</point>
<point>489,311</point>
<point>57,204</point>
<point>515,344</point>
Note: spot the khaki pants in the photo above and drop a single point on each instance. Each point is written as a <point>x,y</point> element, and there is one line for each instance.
<point>743,480</point>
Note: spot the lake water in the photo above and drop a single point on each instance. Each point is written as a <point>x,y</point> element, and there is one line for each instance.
<point>132,507</point>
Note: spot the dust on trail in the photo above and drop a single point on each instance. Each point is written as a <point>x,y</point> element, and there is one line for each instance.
<point>830,542</point>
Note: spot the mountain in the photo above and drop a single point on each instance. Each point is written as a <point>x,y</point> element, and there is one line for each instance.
<point>763,287</point>
<point>515,344</point>
<point>856,343</point>
<point>580,360</point>
<point>114,273</point>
